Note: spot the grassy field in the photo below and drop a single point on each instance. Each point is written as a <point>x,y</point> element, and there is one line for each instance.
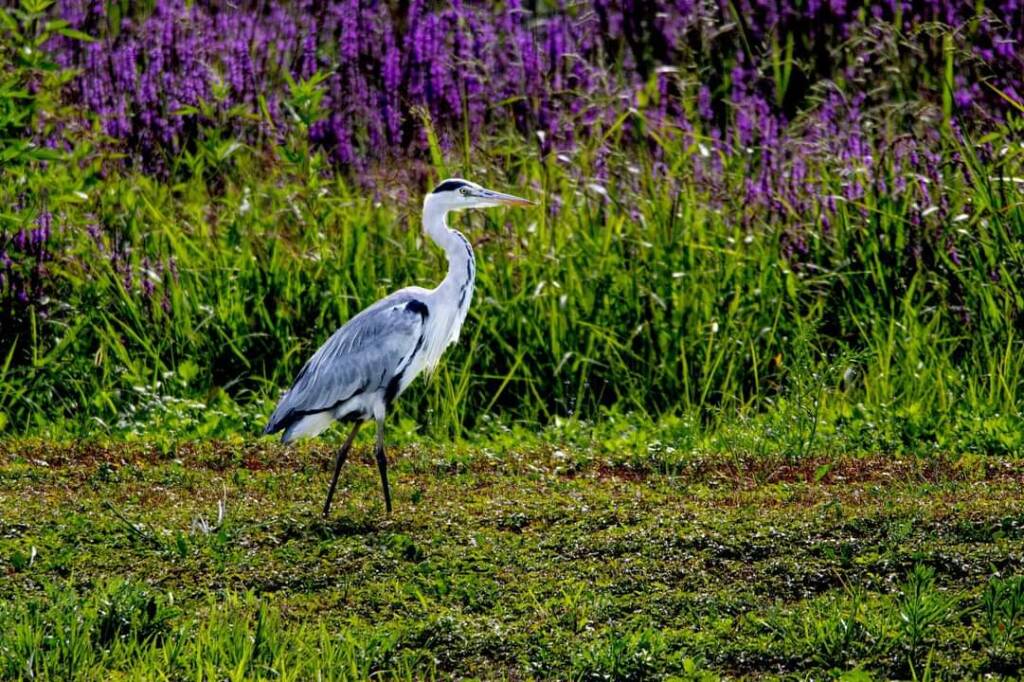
<point>506,562</point>
<point>743,397</point>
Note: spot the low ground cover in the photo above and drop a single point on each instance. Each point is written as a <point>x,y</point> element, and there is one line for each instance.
<point>211,561</point>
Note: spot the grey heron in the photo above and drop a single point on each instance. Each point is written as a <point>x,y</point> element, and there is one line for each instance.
<point>368,362</point>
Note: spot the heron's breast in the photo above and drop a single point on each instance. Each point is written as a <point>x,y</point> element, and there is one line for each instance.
<point>440,332</point>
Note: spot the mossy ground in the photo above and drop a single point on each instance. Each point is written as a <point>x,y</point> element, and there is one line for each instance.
<point>515,564</point>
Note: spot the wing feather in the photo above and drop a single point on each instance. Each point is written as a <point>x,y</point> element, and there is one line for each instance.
<point>366,354</point>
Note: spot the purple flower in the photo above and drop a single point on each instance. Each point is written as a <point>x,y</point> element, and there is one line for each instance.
<point>489,67</point>
<point>954,255</point>
<point>704,103</point>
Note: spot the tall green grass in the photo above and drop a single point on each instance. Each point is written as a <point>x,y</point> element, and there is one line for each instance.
<point>628,291</point>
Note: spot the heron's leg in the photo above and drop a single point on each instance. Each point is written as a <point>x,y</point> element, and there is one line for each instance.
<point>382,464</point>
<point>342,456</point>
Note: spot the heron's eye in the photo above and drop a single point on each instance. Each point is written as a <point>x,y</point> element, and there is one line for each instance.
<point>464,192</point>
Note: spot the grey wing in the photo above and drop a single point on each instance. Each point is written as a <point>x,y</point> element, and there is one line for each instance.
<point>369,353</point>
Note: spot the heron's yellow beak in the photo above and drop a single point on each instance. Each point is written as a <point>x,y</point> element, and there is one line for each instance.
<point>498,198</point>
<point>516,201</point>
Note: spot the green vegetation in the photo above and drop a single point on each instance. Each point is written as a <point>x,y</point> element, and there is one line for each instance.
<point>635,295</point>
<point>742,398</point>
<point>514,562</point>
<point>885,309</point>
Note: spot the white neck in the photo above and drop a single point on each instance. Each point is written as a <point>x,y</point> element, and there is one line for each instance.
<point>461,263</point>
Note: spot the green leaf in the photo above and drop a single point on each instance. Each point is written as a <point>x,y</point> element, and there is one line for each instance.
<point>19,560</point>
<point>76,35</point>
<point>35,6</point>
<point>9,23</point>
<point>44,154</point>
<point>821,472</point>
<point>1015,103</point>
<point>187,371</point>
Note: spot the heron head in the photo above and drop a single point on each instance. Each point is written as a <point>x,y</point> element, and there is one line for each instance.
<point>457,194</point>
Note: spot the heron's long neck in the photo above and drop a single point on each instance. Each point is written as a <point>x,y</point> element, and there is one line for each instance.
<point>458,283</point>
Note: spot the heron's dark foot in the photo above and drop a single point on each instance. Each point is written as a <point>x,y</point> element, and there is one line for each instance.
<point>327,502</point>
